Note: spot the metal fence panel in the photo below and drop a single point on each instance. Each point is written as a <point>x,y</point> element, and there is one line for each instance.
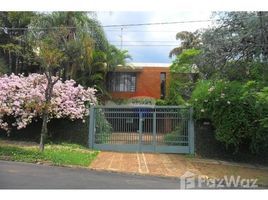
<point>167,129</point>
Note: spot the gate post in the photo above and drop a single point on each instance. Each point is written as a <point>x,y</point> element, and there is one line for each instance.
<point>91,127</point>
<point>154,130</point>
<point>191,132</point>
<point>140,130</point>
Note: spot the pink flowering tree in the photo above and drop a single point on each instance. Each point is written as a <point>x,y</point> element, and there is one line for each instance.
<point>22,99</point>
<point>51,56</point>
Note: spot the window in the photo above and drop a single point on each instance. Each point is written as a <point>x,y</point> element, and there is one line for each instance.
<point>121,82</point>
<point>163,84</point>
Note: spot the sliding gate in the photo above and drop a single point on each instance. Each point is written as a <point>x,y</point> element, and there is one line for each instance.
<point>165,129</point>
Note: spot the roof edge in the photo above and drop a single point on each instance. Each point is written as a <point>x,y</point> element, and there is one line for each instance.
<point>140,64</point>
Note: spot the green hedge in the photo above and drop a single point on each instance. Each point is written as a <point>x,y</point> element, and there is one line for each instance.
<point>238,111</point>
<point>59,130</point>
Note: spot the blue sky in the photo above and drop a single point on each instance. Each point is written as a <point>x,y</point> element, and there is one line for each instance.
<point>138,40</point>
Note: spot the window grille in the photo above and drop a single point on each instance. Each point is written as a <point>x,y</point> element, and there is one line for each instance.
<point>121,82</point>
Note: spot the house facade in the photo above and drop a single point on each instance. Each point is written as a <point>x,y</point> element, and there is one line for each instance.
<point>139,79</point>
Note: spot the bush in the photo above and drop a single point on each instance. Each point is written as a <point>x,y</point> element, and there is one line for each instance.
<point>72,131</point>
<point>176,137</point>
<point>173,100</point>
<point>237,112</point>
<point>22,100</point>
<point>118,101</point>
<point>171,138</point>
<point>103,128</point>
<point>59,130</point>
<point>142,100</point>
<point>161,102</point>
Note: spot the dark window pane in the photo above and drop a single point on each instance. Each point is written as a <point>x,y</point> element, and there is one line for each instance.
<point>121,82</point>
<point>163,84</point>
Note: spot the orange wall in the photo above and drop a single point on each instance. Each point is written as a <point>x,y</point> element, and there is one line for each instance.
<point>147,83</point>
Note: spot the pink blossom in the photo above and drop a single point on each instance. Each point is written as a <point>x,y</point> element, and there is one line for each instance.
<point>23,98</point>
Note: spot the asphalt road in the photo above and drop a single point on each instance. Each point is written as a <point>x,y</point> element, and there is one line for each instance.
<point>16,175</point>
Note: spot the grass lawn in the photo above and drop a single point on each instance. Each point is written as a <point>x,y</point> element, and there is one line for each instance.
<point>56,154</point>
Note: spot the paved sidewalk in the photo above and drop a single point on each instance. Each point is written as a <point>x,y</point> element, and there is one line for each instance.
<point>170,165</point>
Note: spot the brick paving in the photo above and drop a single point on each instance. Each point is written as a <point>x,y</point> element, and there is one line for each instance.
<point>170,165</point>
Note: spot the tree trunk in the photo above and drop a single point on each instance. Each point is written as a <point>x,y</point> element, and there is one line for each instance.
<point>48,94</point>
<point>43,131</point>
<point>64,74</point>
<point>10,61</point>
<point>44,125</point>
<point>17,65</point>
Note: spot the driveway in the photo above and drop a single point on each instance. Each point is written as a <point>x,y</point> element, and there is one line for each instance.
<point>168,165</point>
<point>16,175</point>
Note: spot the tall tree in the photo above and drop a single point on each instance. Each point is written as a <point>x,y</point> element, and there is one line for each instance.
<point>51,57</point>
<point>88,53</point>
<point>183,75</point>
<point>235,43</point>
<point>188,40</point>
<point>14,50</point>
<point>84,31</point>
<point>117,57</point>
<point>50,53</point>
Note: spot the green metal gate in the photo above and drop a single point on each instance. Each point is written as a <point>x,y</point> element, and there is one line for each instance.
<point>163,129</point>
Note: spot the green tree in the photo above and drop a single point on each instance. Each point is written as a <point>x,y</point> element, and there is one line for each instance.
<point>85,34</point>
<point>50,58</point>
<point>50,53</point>
<point>186,61</point>
<point>117,57</point>
<point>188,40</point>
<point>13,48</point>
<point>236,41</point>
<point>3,66</point>
<point>184,73</point>
<point>88,53</point>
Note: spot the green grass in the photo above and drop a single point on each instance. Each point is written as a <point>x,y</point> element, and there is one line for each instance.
<point>57,154</point>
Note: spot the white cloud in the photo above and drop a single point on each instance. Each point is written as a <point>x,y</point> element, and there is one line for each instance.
<point>161,35</point>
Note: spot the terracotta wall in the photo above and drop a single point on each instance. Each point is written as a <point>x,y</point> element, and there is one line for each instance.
<point>147,83</point>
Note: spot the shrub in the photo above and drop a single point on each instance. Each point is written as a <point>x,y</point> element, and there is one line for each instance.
<point>171,138</point>
<point>143,100</point>
<point>22,99</point>
<point>176,137</point>
<point>140,100</point>
<point>103,127</point>
<point>119,101</point>
<point>236,110</point>
<point>175,99</point>
<point>161,102</point>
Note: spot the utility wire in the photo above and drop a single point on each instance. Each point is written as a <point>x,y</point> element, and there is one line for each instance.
<point>109,26</point>
<point>120,25</point>
<point>157,23</point>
